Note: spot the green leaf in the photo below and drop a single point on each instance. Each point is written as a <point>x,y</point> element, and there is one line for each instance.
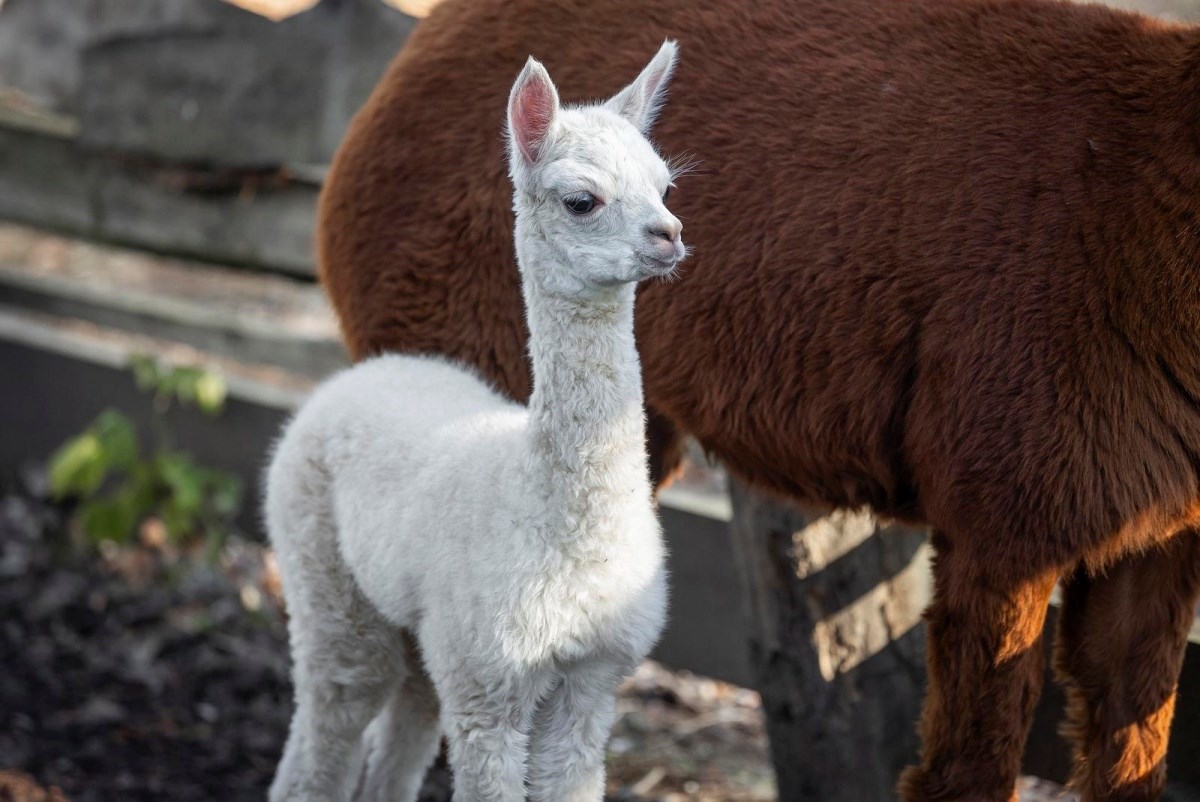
<point>211,392</point>
<point>118,439</point>
<point>137,496</point>
<point>143,486</point>
<point>184,383</point>
<point>191,499</point>
<point>184,480</point>
<point>145,371</point>
<point>107,519</point>
<point>180,521</point>
<point>166,384</point>
<point>78,467</point>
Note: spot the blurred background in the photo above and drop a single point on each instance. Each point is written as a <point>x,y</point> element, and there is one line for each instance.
<point>159,317</point>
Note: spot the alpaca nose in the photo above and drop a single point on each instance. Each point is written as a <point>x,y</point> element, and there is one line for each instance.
<point>668,230</point>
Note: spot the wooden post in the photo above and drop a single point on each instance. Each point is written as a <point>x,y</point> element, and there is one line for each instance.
<point>833,602</point>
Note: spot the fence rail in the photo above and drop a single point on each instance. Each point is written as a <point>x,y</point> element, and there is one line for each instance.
<point>188,127</point>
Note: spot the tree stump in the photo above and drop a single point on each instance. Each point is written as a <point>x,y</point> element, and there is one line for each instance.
<point>834,606</point>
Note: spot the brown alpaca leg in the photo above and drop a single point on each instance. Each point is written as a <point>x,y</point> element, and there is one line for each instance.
<point>985,674</point>
<point>1120,646</point>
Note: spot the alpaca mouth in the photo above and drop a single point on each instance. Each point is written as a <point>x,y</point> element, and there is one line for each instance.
<point>658,267</point>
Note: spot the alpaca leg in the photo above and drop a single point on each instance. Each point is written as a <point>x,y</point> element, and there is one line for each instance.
<point>345,657</point>
<point>341,679</point>
<point>985,674</point>
<point>486,716</point>
<point>1120,646</point>
<point>570,731</point>
<point>403,739</point>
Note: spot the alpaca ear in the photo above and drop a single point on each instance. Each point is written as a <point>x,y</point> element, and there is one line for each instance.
<point>532,109</point>
<point>640,101</point>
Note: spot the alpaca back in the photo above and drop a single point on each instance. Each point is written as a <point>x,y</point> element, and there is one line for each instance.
<point>899,297</point>
<point>380,450</point>
<point>391,402</point>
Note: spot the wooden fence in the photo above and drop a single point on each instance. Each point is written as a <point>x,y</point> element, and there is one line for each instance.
<point>182,126</point>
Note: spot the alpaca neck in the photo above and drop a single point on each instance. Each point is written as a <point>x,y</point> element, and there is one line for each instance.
<point>587,424</point>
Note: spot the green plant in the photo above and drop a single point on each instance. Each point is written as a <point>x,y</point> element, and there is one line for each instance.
<point>119,486</point>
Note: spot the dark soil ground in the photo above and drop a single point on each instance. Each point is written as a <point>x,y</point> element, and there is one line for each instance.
<point>128,675</point>
<point>147,673</point>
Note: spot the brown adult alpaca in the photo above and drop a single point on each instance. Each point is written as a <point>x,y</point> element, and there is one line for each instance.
<point>945,265</point>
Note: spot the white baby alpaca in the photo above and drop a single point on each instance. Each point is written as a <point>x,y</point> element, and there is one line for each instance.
<point>456,563</point>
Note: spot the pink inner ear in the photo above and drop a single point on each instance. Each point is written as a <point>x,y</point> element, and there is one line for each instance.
<point>532,113</point>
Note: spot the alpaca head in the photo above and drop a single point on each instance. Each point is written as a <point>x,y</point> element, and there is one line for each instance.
<point>590,189</point>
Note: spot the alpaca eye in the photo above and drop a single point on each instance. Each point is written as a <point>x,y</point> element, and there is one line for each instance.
<point>579,204</point>
<point>666,194</point>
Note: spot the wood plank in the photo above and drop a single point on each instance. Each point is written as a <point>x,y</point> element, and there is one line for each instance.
<point>262,219</point>
<point>250,316</point>
<point>201,81</point>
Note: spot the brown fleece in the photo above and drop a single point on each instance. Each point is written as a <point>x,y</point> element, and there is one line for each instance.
<point>945,265</point>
